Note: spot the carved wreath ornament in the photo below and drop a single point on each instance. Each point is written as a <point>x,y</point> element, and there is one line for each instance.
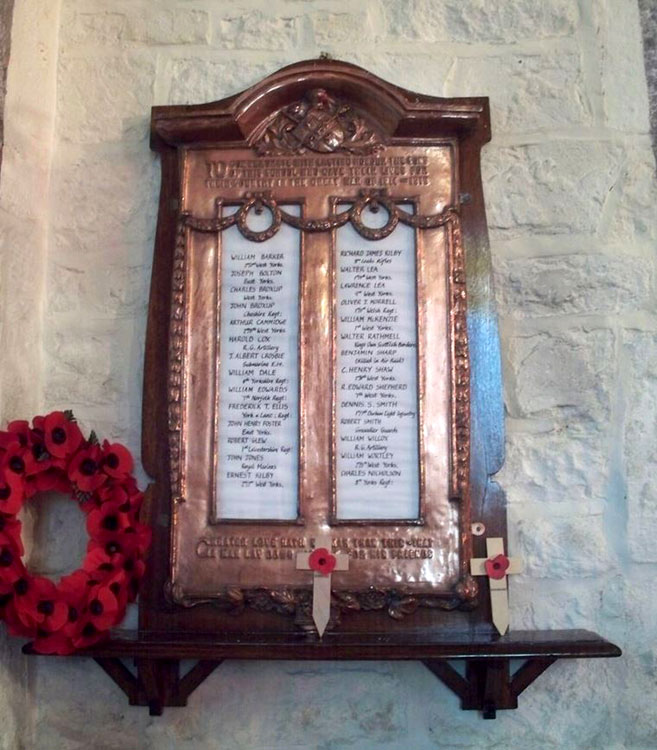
<point>319,122</point>
<point>51,454</point>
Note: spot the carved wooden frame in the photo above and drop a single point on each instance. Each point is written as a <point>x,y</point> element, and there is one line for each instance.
<point>370,115</point>
<point>266,117</point>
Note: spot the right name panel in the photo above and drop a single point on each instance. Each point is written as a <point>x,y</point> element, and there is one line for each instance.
<point>377,459</point>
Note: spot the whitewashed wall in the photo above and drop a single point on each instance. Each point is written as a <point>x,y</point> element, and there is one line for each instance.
<point>571,197</point>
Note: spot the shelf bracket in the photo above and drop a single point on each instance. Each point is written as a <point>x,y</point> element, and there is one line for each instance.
<point>488,685</point>
<point>157,682</point>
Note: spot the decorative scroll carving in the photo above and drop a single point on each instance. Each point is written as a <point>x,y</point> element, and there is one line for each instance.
<point>176,364</point>
<point>319,122</point>
<point>460,407</point>
<point>373,199</point>
<point>298,602</point>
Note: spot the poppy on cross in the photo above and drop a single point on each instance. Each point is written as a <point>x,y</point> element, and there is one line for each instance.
<point>497,566</point>
<point>322,561</point>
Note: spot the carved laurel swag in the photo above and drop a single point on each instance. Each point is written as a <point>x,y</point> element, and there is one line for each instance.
<point>373,199</point>
<point>297,602</point>
<point>319,122</point>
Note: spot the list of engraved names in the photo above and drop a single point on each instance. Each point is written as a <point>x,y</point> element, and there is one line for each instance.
<point>258,375</point>
<point>377,460</point>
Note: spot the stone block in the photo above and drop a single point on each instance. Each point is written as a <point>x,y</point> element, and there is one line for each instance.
<point>364,705</point>
<point>560,547</point>
<point>104,27</point>
<point>565,467</point>
<point>572,705</point>
<point>631,216</point>
<point>629,608</point>
<point>573,284</point>
<point>566,375</point>
<point>527,91</point>
<point>470,21</point>
<point>620,51</point>
<point>638,714</point>
<point>105,98</point>
<point>555,187</point>
<point>640,448</point>
<point>104,199</point>
<point>156,25</point>
<point>91,363</point>
<point>256,30</point>
<point>194,80</point>
<point>416,72</point>
<point>551,605</point>
<point>106,291</point>
<point>350,28</point>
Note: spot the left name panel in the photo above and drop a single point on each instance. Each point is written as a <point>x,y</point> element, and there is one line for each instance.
<point>258,374</point>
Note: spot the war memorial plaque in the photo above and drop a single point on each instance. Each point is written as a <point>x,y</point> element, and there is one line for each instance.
<point>322,414</point>
<point>318,369</point>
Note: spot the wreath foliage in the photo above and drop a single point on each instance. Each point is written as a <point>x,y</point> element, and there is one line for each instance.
<point>51,454</point>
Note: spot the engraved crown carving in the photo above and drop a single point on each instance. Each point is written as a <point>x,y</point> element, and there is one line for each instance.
<point>319,122</point>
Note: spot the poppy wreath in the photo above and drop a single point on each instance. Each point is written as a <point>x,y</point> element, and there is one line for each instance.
<point>52,454</point>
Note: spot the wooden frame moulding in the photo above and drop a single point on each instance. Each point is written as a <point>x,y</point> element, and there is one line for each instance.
<point>370,115</point>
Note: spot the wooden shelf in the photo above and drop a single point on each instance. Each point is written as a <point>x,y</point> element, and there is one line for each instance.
<point>488,684</point>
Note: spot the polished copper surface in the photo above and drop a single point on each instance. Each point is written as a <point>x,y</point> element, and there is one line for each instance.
<point>214,559</point>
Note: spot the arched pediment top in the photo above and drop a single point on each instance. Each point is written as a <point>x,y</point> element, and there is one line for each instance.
<point>320,105</point>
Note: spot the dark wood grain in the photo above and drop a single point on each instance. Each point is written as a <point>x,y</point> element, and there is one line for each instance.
<point>561,644</point>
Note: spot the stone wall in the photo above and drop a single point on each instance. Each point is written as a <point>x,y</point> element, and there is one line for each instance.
<point>570,187</point>
<point>648,10</point>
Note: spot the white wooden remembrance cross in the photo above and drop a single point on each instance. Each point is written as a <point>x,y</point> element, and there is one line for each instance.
<point>322,561</point>
<point>497,566</point>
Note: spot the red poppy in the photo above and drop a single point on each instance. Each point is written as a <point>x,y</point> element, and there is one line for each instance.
<point>6,600</point>
<point>51,611</point>
<point>102,607</point>
<point>322,561</point>
<point>49,479</point>
<point>61,434</point>
<point>98,563</point>
<point>10,534</point>
<point>18,431</point>
<point>137,538</point>
<point>18,459</point>
<point>11,492</point>
<point>38,604</point>
<point>39,423</point>
<point>128,567</point>
<point>71,585</point>
<point>496,567</point>
<point>43,460</point>
<point>84,469</point>
<point>116,461</point>
<point>73,589</point>
<point>53,643</point>
<point>86,633</point>
<point>8,612</point>
<point>27,591</point>
<point>110,492</point>
<point>107,522</point>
